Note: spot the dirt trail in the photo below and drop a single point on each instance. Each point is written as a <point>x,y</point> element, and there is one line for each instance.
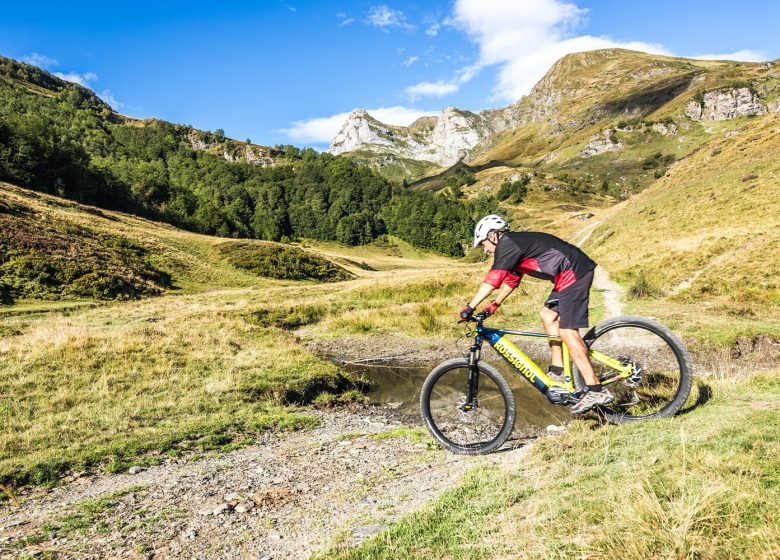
<point>305,491</point>
<point>613,292</point>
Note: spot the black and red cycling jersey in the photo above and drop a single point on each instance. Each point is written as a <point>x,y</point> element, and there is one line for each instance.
<point>540,255</point>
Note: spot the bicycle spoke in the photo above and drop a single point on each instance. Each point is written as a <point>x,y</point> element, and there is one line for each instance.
<point>657,373</point>
<point>467,427</point>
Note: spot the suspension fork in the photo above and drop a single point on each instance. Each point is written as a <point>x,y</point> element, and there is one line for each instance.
<point>471,399</point>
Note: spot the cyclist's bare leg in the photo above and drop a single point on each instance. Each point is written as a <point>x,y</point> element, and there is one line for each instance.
<point>579,354</point>
<point>550,323</point>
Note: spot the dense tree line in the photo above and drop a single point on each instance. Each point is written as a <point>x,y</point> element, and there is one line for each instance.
<point>61,139</point>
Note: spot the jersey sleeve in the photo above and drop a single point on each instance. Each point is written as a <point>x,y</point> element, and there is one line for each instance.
<point>507,257</point>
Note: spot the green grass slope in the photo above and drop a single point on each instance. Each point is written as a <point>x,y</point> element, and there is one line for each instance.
<point>88,381</point>
<point>54,249</point>
<point>707,234</point>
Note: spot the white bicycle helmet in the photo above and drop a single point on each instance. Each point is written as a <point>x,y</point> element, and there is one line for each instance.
<point>486,225</point>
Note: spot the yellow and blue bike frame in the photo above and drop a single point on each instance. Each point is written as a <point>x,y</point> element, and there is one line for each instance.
<point>498,339</point>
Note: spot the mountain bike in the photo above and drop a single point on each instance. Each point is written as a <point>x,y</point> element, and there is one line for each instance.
<point>469,408</point>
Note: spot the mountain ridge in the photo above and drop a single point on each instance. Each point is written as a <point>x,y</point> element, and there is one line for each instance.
<point>42,82</point>
<point>578,98</point>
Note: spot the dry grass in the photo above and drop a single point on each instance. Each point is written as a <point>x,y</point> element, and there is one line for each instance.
<point>705,238</point>
<point>214,363</point>
<point>701,486</point>
<point>208,366</point>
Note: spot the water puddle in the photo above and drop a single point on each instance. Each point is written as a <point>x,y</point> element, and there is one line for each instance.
<point>398,386</point>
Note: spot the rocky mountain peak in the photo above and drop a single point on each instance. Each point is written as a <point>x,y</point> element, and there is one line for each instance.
<point>361,130</point>
<point>577,105</point>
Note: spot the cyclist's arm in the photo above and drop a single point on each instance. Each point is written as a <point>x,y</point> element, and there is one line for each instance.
<point>484,291</point>
<point>501,275</point>
<point>508,281</point>
<point>504,292</point>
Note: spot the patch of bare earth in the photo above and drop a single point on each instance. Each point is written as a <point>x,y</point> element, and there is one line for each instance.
<point>396,348</point>
<point>285,497</point>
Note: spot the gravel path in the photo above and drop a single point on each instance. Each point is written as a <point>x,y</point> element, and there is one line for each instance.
<point>613,292</point>
<point>285,497</point>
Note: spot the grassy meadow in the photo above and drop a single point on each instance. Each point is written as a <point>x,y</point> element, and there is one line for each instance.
<point>209,363</point>
<point>217,357</point>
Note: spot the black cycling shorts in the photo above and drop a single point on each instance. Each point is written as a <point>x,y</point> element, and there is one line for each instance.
<point>572,303</point>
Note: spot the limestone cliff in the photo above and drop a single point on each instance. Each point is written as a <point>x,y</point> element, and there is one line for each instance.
<point>442,140</point>
<point>727,103</point>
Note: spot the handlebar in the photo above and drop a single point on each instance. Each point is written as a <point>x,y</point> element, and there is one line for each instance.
<point>476,318</point>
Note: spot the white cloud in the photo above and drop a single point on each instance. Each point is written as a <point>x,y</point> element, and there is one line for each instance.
<point>411,60</point>
<point>443,87</point>
<point>384,17</point>
<point>81,79</point>
<point>109,98</point>
<point>524,39</point>
<point>433,30</point>
<point>345,19</point>
<point>744,55</point>
<point>431,89</point>
<point>40,60</point>
<point>322,130</point>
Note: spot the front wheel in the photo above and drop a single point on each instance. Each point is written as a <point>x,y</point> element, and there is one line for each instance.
<point>661,376</point>
<point>468,428</point>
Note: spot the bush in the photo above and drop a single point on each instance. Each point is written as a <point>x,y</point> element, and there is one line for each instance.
<point>283,263</point>
<point>642,288</point>
<point>514,191</point>
<point>289,318</point>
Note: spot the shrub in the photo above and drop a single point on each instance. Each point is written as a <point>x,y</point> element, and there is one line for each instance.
<point>282,263</point>
<point>642,288</point>
<point>514,191</point>
<point>289,318</point>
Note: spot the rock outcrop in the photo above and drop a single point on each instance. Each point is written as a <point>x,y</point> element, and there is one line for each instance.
<point>231,150</point>
<point>442,140</point>
<point>726,103</point>
<point>606,141</point>
<point>359,130</point>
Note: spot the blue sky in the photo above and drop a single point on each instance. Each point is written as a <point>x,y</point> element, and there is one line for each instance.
<point>287,71</point>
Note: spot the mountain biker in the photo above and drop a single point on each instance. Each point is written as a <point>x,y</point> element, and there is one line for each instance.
<point>565,311</point>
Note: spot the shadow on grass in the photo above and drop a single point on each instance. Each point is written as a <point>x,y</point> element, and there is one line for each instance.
<point>704,394</point>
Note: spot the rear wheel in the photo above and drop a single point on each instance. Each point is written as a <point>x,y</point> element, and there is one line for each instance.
<point>662,373</point>
<point>482,428</point>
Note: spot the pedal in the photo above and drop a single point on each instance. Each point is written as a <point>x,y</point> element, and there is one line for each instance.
<point>559,395</point>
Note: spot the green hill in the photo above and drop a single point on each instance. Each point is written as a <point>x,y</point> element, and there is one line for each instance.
<point>60,138</point>
<point>705,237</point>
<point>53,249</point>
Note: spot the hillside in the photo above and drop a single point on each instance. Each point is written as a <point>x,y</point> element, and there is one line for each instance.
<point>53,249</point>
<point>210,359</point>
<point>706,235</point>
<point>61,139</point>
<point>610,120</point>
